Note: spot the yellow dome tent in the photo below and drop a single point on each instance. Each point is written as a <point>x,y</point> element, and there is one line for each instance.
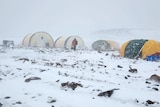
<point>139,48</point>
<point>150,47</point>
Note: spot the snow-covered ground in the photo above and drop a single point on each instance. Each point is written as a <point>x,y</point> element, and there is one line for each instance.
<point>66,78</point>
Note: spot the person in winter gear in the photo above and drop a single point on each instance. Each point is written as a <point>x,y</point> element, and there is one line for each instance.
<point>74,44</point>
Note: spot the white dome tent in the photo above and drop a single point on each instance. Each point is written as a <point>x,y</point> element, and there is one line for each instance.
<point>38,39</point>
<point>66,42</point>
<point>59,43</point>
<point>105,45</point>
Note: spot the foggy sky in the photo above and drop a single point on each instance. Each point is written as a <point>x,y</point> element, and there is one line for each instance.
<point>75,17</point>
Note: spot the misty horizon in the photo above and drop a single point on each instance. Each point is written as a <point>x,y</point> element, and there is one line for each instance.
<point>65,18</point>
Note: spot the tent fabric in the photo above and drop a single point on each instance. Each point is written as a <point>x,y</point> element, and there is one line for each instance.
<point>26,40</point>
<point>105,45</point>
<point>150,48</point>
<point>133,48</point>
<point>122,50</point>
<point>139,48</point>
<point>101,45</point>
<point>59,42</point>
<point>154,57</point>
<point>38,39</point>
<point>66,42</point>
<point>114,44</point>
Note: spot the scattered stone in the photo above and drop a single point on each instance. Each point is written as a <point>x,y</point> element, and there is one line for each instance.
<point>66,74</point>
<point>106,54</point>
<point>18,102</point>
<point>148,82</point>
<point>6,66</point>
<point>148,87</point>
<point>51,101</point>
<point>150,102</point>
<point>57,80</point>
<point>156,89</point>
<point>24,59</point>
<point>42,70</point>
<point>41,51</point>
<point>58,64</point>
<point>71,85</point>
<point>25,93</point>
<point>59,73</point>
<point>126,77</point>
<point>8,97</point>
<point>33,97</point>
<point>1,105</point>
<point>32,78</point>
<point>99,51</point>
<point>63,60</point>
<point>102,65</point>
<point>156,85</point>
<point>33,61</point>
<point>49,64</point>
<point>101,61</point>
<point>119,66</point>
<point>2,73</point>
<point>19,68</point>
<point>97,90</point>
<point>132,70</point>
<point>136,101</point>
<point>107,93</point>
<point>155,78</point>
<point>12,73</point>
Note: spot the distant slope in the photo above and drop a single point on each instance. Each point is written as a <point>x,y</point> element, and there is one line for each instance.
<point>123,35</point>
